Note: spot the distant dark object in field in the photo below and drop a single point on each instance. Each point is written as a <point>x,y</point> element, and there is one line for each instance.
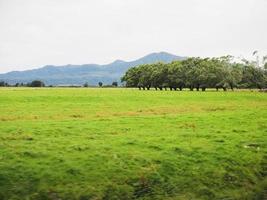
<point>100,84</point>
<point>115,84</point>
<point>263,90</point>
<point>36,83</point>
<point>3,84</point>
<point>85,85</point>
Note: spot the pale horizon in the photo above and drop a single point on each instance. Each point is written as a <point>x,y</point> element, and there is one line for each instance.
<point>36,33</point>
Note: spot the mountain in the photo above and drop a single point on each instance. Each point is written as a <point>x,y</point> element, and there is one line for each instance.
<point>79,74</point>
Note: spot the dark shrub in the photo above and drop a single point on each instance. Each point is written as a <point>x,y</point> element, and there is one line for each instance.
<point>37,83</point>
<point>100,84</point>
<point>115,84</point>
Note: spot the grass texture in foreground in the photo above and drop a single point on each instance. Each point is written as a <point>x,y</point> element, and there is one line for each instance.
<point>130,144</point>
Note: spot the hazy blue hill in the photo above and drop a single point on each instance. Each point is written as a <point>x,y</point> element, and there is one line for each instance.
<point>79,74</point>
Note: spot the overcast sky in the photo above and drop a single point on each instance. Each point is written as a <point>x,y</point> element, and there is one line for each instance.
<point>34,33</point>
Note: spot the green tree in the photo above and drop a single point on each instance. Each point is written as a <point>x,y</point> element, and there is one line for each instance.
<point>100,84</point>
<point>115,84</point>
<point>197,73</point>
<point>159,75</point>
<point>253,77</point>
<point>36,83</point>
<point>132,77</point>
<point>2,83</point>
<point>145,79</point>
<point>176,75</point>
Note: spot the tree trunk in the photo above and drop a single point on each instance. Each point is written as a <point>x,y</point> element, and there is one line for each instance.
<point>232,87</point>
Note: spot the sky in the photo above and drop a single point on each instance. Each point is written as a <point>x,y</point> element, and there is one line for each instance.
<point>34,33</point>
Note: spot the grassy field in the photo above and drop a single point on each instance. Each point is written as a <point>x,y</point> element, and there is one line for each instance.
<point>130,144</point>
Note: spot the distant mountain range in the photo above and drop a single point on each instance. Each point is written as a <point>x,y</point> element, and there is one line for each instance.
<point>79,74</point>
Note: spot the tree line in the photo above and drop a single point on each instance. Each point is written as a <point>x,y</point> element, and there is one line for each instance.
<point>35,83</point>
<point>198,73</point>
<point>193,73</point>
<point>38,83</point>
<point>100,84</point>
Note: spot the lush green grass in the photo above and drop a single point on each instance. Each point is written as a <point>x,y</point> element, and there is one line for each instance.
<point>131,144</point>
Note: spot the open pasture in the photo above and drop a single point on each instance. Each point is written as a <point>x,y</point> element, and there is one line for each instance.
<point>79,143</point>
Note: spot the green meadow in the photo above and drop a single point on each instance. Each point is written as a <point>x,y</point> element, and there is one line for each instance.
<point>86,143</point>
